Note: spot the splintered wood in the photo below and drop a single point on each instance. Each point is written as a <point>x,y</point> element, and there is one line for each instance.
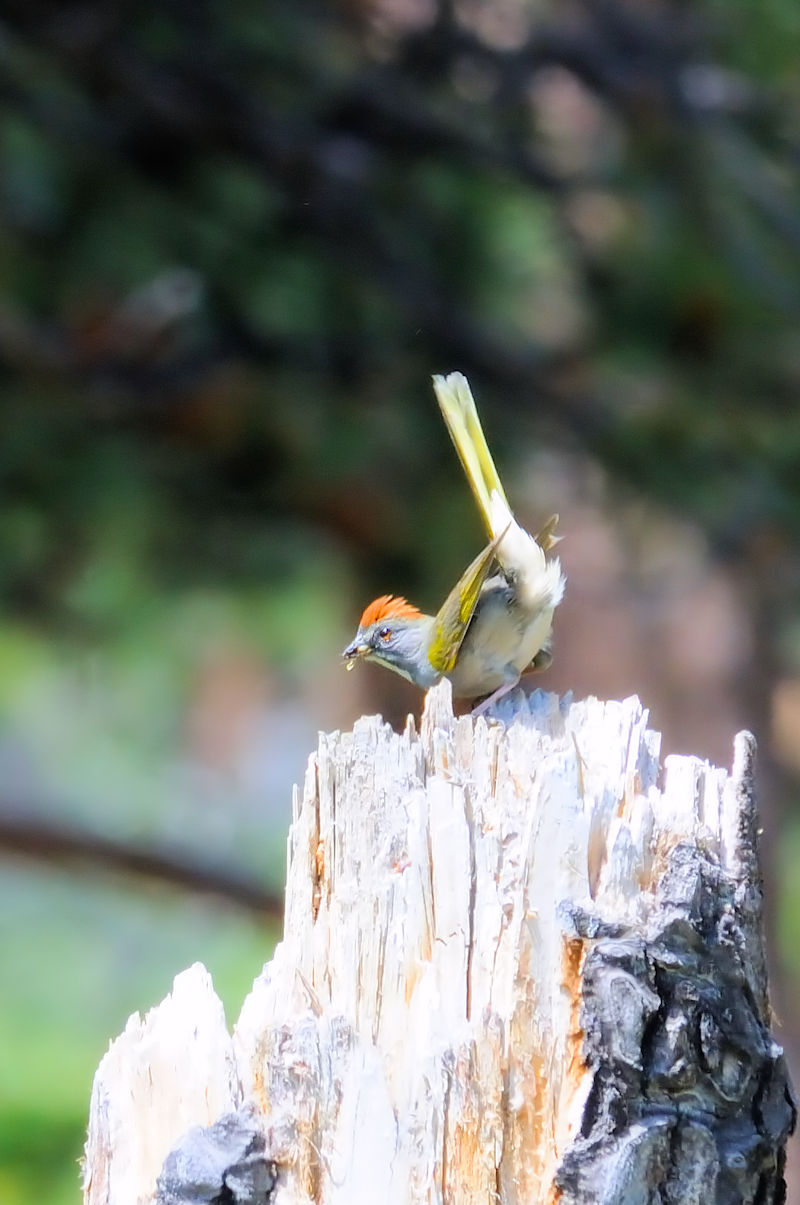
<point>520,964</point>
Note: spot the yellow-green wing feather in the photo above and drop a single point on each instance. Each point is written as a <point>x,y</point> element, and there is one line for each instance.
<point>455,613</point>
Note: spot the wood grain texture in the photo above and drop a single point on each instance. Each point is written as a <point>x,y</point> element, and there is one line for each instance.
<point>521,963</point>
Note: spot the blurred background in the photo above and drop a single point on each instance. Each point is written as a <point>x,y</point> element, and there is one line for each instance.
<point>236,240</point>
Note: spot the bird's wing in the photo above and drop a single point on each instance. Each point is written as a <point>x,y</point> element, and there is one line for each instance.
<point>455,613</point>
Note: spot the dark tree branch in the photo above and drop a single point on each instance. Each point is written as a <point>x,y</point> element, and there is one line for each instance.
<point>44,840</point>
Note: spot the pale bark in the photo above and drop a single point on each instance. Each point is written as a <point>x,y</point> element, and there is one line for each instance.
<point>521,963</point>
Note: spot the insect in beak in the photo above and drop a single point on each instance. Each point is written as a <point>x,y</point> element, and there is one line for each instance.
<point>354,650</point>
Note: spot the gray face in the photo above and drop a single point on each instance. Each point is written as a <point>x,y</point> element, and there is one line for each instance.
<point>399,644</point>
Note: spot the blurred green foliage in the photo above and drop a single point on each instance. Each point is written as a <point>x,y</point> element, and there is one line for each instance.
<point>235,240</point>
<point>84,958</point>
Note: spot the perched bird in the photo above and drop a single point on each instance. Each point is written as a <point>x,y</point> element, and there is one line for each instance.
<point>493,625</point>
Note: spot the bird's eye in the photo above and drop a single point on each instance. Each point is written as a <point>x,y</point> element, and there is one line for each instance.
<point>385,633</point>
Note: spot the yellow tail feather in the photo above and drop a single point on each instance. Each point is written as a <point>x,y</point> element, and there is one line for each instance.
<point>461,416</point>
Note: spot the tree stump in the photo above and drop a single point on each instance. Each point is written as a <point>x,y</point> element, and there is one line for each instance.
<point>520,964</point>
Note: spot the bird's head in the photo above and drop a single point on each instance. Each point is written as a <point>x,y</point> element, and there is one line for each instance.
<point>398,635</point>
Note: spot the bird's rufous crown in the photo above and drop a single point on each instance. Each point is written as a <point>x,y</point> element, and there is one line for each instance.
<point>388,607</point>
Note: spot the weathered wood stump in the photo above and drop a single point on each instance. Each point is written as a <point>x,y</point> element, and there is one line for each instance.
<point>520,964</point>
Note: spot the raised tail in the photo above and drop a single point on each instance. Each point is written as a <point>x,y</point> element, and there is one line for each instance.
<point>538,582</point>
<point>461,416</point>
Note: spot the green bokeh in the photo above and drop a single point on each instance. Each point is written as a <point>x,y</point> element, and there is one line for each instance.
<point>79,959</point>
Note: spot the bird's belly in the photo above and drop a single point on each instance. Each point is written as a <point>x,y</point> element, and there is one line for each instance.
<point>500,643</point>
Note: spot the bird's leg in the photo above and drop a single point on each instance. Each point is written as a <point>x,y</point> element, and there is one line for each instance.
<point>486,703</point>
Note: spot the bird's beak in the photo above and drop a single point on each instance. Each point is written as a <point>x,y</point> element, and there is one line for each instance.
<point>357,648</point>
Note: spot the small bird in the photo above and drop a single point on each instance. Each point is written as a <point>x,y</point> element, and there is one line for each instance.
<point>493,626</point>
